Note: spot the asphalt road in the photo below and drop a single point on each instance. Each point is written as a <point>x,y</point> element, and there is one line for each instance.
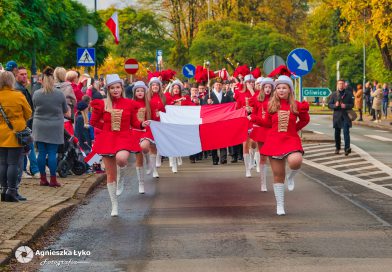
<point>212,218</point>
<point>376,142</point>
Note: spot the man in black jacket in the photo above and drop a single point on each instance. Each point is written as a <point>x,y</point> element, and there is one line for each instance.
<point>340,102</point>
<point>216,96</point>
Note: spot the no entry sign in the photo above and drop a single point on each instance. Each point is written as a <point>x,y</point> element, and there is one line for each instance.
<point>131,66</point>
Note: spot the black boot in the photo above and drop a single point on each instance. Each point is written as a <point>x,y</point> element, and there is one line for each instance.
<point>20,197</point>
<point>10,196</point>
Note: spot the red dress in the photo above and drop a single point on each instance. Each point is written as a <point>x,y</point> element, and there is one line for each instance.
<point>156,105</point>
<point>141,115</point>
<point>115,125</point>
<point>282,139</point>
<point>259,133</point>
<point>240,98</point>
<point>185,102</point>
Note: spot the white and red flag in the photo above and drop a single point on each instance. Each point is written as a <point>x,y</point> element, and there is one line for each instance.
<point>201,128</point>
<point>112,24</point>
<point>92,158</point>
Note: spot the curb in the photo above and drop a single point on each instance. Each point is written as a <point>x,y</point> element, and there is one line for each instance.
<point>372,125</point>
<point>44,220</point>
<point>308,136</point>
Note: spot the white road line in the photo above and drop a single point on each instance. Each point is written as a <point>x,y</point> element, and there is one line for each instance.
<point>318,132</point>
<point>344,159</point>
<point>369,158</point>
<point>318,154</point>
<point>370,173</point>
<point>307,149</point>
<point>387,184</point>
<point>316,124</point>
<point>380,138</point>
<point>318,150</point>
<point>313,145</point>
<point>360,168</point>
<point>379,179</point>
<point>351,178</point>
<point>381,130</point>
<point>349,164</point>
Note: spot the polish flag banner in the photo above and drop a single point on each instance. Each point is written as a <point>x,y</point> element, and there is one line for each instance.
<point>224,130</point>
<point>92,158</point>
<point>112,24</point>
<point>191,115</point>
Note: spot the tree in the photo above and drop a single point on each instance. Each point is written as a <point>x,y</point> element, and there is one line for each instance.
<point>374,16</point>
<point>140,34</point>
<point>230,43</point>
<point>45,28</point>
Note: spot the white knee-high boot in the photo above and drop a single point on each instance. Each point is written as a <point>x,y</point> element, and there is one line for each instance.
<point>279,196</point>
<point>263,177</point>
<point>174,164</point>
<point>257,160</point>
<point>290,179</point>
<point>247,165</point>
<point>179,160</point>
<point>170,161</point>
<point>140,178</point>
<point>252,158</point>
<point>158,161</point>
<point>148,163</point>
<point>154,166</point>
<point>113,198</point>
<point>121,175</point>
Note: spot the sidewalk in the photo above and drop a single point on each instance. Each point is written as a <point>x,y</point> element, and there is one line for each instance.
<point>385,124</point>
<point>24,221</point>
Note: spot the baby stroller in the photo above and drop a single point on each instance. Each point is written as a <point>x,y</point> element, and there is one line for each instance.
<point>70,157</point>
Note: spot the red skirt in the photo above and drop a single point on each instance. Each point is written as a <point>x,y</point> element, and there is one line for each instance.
<point>280,144</point>
<point>258,134</point>
<point>111,142</point>
<point>148,135</point>
<point>136,135</point>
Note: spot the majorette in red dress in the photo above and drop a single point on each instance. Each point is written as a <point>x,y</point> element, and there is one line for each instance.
<point>156,105</point>
<point>115,125</point>
<point>141,115</point>
<point>283,138</point>
<point>260,109</point>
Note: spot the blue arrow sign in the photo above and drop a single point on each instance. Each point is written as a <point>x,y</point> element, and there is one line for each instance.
<point>300,61</point>
<point>85,57</point>
<point>188,70</point>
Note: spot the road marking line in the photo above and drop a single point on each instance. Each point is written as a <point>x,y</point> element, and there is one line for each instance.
<point>317,155</point>
<point>380,138</point>
<point>316,124</point>
<point>318,132</point>
<point>381,130</point>
<point>351,178</point>
<point>370,173</point>
<point>344,159</point>
<point>318,150</point>
<point>349,164</point>
<point>368,157</point>
<point>390,184</point>
<point>379,179</point>
<point>313,145</point>
<point>360,168</point>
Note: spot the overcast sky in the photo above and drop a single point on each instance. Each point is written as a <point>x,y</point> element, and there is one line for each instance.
<point>103,4</point>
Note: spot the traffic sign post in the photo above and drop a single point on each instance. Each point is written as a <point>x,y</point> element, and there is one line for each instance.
<point>131,66</point>
<point>85,57</point>
<point>271,63</point>
<point>300,61</point>
<point>189,70</point>
<point>316,91</point>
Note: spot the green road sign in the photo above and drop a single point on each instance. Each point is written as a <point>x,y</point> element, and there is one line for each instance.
<point>317,91</point>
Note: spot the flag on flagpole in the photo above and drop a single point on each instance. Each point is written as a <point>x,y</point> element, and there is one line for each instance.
<point>92,158</point>
<point>112,24</point>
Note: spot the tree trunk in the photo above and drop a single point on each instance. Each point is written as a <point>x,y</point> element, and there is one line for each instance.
<point>385,53</point>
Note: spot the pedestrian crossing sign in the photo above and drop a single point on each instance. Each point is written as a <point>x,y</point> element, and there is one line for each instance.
<point>85,57</point>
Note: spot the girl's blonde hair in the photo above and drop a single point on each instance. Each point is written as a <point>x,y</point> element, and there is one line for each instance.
<point>59,74</point>
<point>274,102</point>
<point>108,100</point>
<point>149,95</point>
<point>71,76</point>
<point>7,79</point>
<point>48,80</point>
<point>261,96</point>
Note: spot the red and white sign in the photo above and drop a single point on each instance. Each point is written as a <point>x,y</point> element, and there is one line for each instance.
<point>131,66</point>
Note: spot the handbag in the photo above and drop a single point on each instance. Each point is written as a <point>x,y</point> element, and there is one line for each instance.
<point>352,115</point>
<point>24,136</point>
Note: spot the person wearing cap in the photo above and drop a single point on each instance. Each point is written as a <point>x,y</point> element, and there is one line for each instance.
<point>156,101</point>
<point>82,126</point>
<point>244,99</point>
<point>50,108</point>
<point>285,117</point>
<point>12,67</point>
<point>142,111</point>
<point>259,133</point>
<point>114,116</point>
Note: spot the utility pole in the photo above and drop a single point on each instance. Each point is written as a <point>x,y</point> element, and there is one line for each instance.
<point>364,54</point>
<point>96,64</point>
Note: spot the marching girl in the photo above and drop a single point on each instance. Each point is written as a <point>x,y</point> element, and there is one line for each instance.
<point>141,108</point>
<point>114,116</point>
<point>259,133</point>
<point>243,97</point>
<point>175,97</point>
<point>285,117</point>
<point>156,101</point>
